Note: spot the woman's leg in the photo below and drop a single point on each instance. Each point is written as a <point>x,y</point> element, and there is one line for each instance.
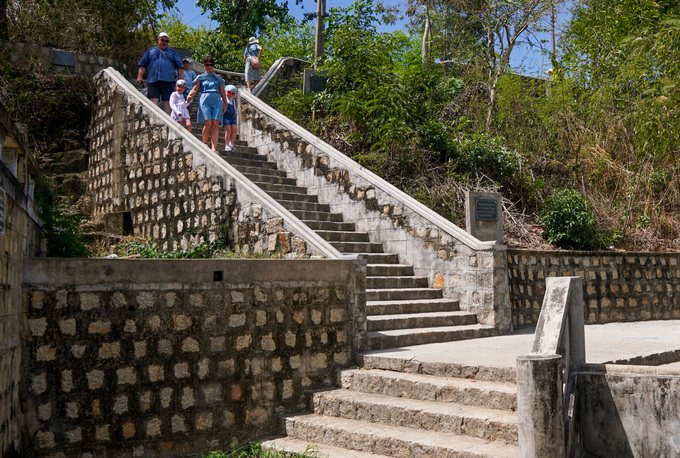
<point>187,123</point>
<point>206,130</point>
<point>214,133</point>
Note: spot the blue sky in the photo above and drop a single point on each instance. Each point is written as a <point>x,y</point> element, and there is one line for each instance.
<point>529,61</point>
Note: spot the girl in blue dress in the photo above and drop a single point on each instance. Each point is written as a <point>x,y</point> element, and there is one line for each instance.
<point>212,103</point>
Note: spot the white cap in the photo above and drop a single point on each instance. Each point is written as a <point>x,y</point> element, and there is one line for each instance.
<point>163,34</point>
<point>181,83</point>
<point>252,40</point>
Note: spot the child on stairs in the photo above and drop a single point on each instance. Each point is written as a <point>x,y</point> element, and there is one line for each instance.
<point>178,105</point>
<point>229,119</point>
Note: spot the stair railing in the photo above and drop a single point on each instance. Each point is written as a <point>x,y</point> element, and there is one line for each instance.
<point>559,346</point>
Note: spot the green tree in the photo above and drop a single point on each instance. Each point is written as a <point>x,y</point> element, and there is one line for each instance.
<point>181,34</point>
<point>114,28</point>
<point>243,18</point>
<point>287,38</point>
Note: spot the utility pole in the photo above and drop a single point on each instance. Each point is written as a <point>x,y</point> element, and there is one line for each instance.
<point>318,49</point>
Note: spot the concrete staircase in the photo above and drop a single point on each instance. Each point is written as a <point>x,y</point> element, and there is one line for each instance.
<point>401,308</point>
<point>386,413</point>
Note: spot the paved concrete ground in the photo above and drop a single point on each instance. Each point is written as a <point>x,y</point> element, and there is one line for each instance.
<point>605,343</point>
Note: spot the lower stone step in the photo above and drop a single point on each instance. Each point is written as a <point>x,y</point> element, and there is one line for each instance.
<point>392,440</point>
<point>384,360</point>
<point>290,445</point>
<point>490,394</point>
<point>413,306</point>
<point>407,337</point>
<point>419,320</point>
<point>402,294</point>
<point>465,420</point>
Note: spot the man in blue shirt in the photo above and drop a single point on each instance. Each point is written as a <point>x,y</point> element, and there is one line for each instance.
<point>161,62</point>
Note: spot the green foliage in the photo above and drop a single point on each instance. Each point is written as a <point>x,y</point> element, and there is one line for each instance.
<point>287,38</point>
<point>47,102</point>
<point>119,29</point>
<point>227,50</point>
<point>64,233</point>
<point>255,450</point>
<point>181,34</point>
<point>243,18</point>
<point>200,249</point>
<point>569,221</point>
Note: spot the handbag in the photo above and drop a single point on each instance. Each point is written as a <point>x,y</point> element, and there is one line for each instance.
<point>255,62</point>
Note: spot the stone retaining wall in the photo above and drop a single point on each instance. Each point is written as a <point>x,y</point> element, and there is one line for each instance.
<point>20,238</point>
<point>616,286</point>
<point>21,235</point>
<point>157,357</point>
<point>20,53</point>
<point>468,270</point>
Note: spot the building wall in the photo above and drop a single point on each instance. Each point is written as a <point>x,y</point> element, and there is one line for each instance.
<point>616,286</point>
<point>157,357</point>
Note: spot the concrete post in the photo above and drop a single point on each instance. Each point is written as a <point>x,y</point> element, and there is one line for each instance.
<point>540,406</point>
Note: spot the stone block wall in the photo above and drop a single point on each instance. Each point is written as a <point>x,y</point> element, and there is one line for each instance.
<point>19,53</point>
<point>150,177</point>
<point>21,236</point>
<point>616,286</point>
<point>476,277</point>
<point>157,357</point>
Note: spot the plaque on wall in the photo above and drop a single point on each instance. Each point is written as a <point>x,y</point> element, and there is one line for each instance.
<point>486,210</point>
<point>64,58</point>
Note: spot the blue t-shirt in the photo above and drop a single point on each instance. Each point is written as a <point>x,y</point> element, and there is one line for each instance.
<point>209,82</point>
<point>158,67</point>
<point>189,77</point>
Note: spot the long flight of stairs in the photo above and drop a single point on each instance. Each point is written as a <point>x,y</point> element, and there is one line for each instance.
<point>388,413</point>
<point>401,308</point>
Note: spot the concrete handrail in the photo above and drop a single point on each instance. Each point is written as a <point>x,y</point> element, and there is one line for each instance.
<point>560,333</point>
<point>272,72</point>
<point>409,202</point>
<point>214,163</point>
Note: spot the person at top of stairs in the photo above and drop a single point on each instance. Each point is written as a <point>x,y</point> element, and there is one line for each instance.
<point>213,101</point>
<point>229,119</point>
<point>178,105</point>
<point>161,62</point>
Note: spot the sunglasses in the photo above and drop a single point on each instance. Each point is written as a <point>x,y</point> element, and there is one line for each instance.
<point>165,41</point>
<point>230,92</point>
<point>208,65</point>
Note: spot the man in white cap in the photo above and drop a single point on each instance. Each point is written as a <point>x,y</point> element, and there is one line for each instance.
<point>161,62</point>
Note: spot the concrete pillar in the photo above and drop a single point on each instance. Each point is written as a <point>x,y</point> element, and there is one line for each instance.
<point>540,406</point>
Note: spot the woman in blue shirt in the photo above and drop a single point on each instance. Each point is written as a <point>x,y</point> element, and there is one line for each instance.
<point>212,103</point>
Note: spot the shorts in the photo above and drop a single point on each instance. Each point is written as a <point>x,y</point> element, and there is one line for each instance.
<point>228,121</point>
<point>161,90</point>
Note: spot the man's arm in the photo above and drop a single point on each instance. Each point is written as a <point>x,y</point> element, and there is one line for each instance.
<point>140,75</point>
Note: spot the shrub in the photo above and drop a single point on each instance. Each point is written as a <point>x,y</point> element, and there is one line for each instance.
<point>569,221</point>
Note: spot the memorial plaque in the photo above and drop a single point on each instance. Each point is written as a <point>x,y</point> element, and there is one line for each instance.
<point>486,210</point>
<point>317,83</point>
<point>64,59</point>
